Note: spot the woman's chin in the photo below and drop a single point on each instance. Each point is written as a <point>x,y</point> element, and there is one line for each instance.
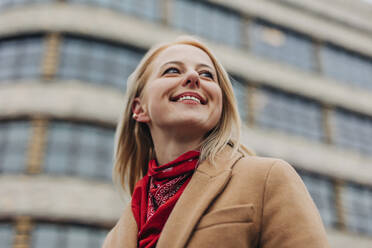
<point>191,125</point>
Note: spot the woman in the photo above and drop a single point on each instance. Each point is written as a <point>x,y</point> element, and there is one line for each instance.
<point>192,184</point>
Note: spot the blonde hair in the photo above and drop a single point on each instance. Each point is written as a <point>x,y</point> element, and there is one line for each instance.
<point>133,143</point>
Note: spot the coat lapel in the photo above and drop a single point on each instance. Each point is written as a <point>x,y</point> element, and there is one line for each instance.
<point>207,182</point>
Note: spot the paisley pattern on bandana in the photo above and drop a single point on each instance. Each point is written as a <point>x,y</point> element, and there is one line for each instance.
<point>156,194</point>
<point>161,193</point>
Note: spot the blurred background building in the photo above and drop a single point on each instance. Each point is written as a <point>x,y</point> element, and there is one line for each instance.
<point>302,73</point>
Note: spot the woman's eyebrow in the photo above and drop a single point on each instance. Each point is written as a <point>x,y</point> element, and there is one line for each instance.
<point>205,65</point>
<point>179,63</point>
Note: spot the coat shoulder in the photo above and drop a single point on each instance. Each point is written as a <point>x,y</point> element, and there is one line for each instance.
<point>124,233</point>
<point>261,164</point>
<point>264,169</point>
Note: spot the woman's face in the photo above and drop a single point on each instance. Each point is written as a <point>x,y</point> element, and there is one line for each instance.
<point>182,91</point>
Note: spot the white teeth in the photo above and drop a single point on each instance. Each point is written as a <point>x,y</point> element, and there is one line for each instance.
<point>188,98</point>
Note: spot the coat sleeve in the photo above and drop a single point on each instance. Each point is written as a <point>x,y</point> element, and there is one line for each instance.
<point>289,215</point>
<point>124,233</point>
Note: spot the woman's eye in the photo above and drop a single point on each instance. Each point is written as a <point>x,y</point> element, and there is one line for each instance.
<point>171,70</point>
<point>206,74</point>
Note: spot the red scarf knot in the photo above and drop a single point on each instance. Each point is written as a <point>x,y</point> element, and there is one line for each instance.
<point>156,194</point>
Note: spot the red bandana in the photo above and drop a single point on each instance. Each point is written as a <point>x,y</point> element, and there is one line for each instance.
<point>155,195</point>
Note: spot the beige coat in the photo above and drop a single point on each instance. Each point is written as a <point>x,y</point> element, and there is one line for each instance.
<point>246,201</point>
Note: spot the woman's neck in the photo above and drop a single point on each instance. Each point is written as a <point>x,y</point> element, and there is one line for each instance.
<point>169,147</point>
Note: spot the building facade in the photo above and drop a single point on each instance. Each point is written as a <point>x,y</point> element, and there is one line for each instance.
<point>301,71</point>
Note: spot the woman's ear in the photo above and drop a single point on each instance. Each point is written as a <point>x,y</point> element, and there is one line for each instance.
<point>139,112</point>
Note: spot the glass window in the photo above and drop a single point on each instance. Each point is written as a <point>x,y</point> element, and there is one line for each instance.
<point>150,9</point>
<point>357,201</point>
<point>282,45</point>
<point>97,62</point>
<point>14,136</point>
<point>240,92</point>
<point>79,150</point>
<point>352,130</point>
<point>46,235</point>
<point>6,235</point>
<point>322,191</point>
<point>289,113</point>
<point>210,21</point>
<point>20,58</point>
<point>66,236</point>
<point>350,68</point>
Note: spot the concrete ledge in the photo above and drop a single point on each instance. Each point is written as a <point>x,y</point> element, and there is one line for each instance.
<point>312,156</point>
<point>64,99</point>
<point>290,79</point>
<point>59,197</point>
<point>81,19</point>
<point>72,98</point>
<point>68,17</point>
<point>355,15</point>
<point>107,24</point>
<point>307,23</point>
<point>88,102</point>
<point>339,239</point>
<point>64,198</point>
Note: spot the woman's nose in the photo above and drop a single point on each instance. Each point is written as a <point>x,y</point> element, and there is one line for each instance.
<point>191,79</point>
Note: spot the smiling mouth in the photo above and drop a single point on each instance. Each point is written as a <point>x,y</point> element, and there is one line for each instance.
<point>189,97</point>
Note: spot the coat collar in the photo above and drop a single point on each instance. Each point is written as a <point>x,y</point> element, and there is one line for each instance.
<point>206,183</point>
